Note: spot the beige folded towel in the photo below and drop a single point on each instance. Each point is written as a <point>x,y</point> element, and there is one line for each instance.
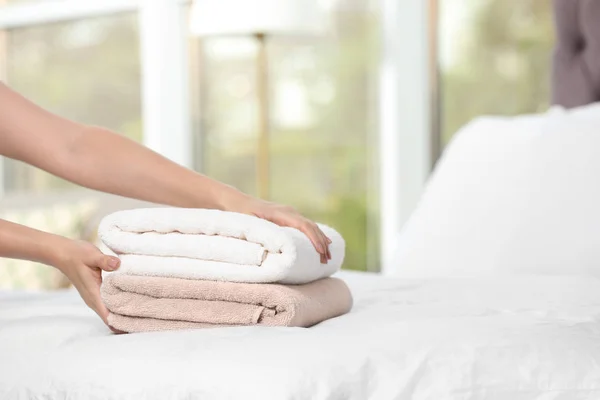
<point>146,303</point>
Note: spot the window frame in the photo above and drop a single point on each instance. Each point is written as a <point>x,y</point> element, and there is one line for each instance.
<point>20,15</point>
<point>405,117</point>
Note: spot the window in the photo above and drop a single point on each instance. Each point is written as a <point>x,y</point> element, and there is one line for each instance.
<point>333,129</point>
<point>86,70</point>
<point>323,132</point>
<point>494,59</point>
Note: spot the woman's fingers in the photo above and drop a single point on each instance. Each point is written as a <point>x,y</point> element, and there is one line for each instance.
<point>116,331</point>
<point>311,230</point>
<point>308,229</point>
<point>323,244</point>
<point>91,297</point>
<point>290,217</point>
<point>92,280</point>
<point>327,243</point>
<point>103,312</point>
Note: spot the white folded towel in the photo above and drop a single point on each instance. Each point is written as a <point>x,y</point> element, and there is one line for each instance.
<point>215,245</point>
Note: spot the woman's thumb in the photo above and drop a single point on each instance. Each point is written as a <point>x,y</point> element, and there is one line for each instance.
<point>109,263</point>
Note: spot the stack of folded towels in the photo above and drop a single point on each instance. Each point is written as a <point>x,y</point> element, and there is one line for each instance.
<point>197,268</point>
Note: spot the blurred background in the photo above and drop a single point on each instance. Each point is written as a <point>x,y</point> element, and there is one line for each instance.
<point>356,116</point>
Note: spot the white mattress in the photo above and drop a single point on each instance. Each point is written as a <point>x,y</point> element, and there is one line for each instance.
<point>518,338</point>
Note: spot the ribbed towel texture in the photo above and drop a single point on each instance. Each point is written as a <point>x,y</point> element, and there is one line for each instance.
<point>196,268</point>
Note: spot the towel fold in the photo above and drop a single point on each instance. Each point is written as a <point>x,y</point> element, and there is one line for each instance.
<point>215,245</point>
<point>145,303</point>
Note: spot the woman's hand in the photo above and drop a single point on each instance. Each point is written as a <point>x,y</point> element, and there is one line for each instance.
<point>83,263</point>
<point>286,216</point>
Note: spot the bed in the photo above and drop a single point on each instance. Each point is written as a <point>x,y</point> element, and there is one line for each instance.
<point>495,336</point>
<point>534,338</point>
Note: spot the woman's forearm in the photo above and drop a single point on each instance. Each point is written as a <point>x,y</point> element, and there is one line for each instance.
<point>81,262</point>
<point>105,161</point>
<point>21,242</point>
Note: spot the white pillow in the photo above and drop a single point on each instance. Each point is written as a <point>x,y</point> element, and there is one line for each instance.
<point>511,195</point>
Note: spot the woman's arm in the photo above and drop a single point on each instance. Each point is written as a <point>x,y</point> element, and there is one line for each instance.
<point>23,243</point>
<point>81,262</point>
<point>99,159</point>
<point>102,160</point>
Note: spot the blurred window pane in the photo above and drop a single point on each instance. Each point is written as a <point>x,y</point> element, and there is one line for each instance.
<point>85,70</point>
<point>323,134</point>
<point>495,58</point>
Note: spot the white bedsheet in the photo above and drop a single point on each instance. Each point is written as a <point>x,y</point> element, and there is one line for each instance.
<point>510,338</point>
